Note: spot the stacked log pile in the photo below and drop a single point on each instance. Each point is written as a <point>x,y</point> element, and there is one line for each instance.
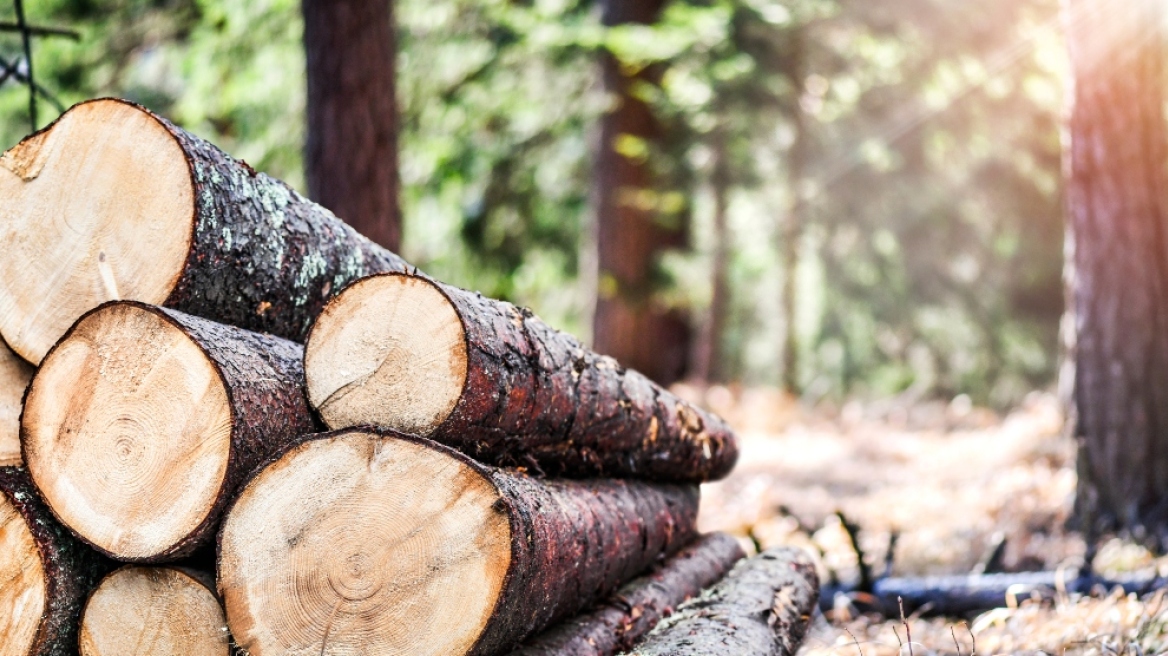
<point>487,480</point>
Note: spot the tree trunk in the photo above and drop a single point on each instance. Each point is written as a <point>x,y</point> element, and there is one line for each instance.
<point>633,229</point>
<point>636,608</point>
<point>112,202</point>
<point>170,411</point>
<point>1117,265</point>
<point>792,224</point>
<point>355,542</point>
<point>14,376</point>
<point>154,610</point>
<point>410,354</point>
<point>761,608</point>
<point>351,158</point>
<point>708,366</point>
<point>46,573</point>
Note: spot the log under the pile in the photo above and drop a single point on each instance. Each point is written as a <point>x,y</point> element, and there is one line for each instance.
<point>154,610</point>
<point>45,573</point>
<point>359,542</point>
<point>113,202</point>
<point>14,376</point>
<point>621,620</point>
<point>142,422</point>
<point>761,608</point>
<point>404,352</point>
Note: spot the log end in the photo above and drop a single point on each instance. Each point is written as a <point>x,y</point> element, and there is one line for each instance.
<point>355,542</point>
<point>98,206</point>
<point>14,376</point>
<point>156,610</point>
<point>390,350</point>
<point>127,431</point>
<point>24,587</point>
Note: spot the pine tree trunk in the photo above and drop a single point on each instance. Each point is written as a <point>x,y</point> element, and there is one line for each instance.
<point>708,366</point>
<point>351,158</point>
<point>407,353</point>
<point>633,230</point>
<point>14,376</point>
<point>635,609</point>
<point>158,215</point>
<point>762,608</point>
<point>1117,265</point>
<point>358,542</point>
<point>154,610</point>
<point>45,573</point>
<point>792,225</point>
<point>142,423</point>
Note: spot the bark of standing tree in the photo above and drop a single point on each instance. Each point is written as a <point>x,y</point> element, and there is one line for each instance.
<point>351,158</point>
<point>632,230</point>
<point>792,225</point>
<point>707,364</point>
<point>1117,265</point>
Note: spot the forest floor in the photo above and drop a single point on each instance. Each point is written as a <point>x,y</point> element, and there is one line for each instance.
<point>950,480</point>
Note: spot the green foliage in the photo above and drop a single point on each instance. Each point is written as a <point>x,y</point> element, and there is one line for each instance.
<point>931,246</point>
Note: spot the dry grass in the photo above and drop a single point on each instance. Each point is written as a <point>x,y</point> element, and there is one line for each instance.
<point>947,479</point>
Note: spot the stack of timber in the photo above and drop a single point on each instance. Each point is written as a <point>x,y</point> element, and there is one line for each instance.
<point>489,484</point>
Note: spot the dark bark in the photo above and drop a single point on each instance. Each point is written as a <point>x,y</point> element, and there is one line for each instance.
<point>630,324</point>
<point>351,153</point>
<point>617,623</point>
<point>761,608</point>
<point>1117,266</point>
<point>264,378</point>
<point>71,569</point>
<point>536,395</point>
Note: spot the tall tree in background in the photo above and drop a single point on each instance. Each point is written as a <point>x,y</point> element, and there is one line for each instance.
<point>351,158</point>
<point>633,227</point>
<point>1117,264</point>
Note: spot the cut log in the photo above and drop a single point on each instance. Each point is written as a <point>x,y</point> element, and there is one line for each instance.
<point>761,608</point>
<point>403,352</point>
<point>356,542</point>
<point>142,422</point>
<point>14,376</point>
<point>619,622</point>
<point>154,610</point>
<point>45,573</point>
<point>113,202</point>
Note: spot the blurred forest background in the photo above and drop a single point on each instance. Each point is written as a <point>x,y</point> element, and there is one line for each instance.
<point>870,193</point>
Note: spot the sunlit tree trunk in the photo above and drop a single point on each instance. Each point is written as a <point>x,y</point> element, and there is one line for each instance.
<point>633,231</point>
<point>351,155</point>
<point>707,362</point>
<point>791,228</point>
<point>1117,265</point>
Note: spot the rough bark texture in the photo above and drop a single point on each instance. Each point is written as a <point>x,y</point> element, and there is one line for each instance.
<point>633,230</point>
<point>617,623</point>
<point>574,542</point>
<point>351,158</point>
<point>761,608</point>
<point>262,256</point>
<point>264,377</point>
<point>536,396</point>
<point>1117,265</point>
<point>72,570</point>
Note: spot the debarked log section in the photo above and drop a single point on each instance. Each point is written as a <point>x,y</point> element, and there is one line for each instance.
<point>762,608</point>
<point>359,542</point>
<point>154,610</point>
<point>142,422</point>
<point>404,352</point>
<point>620,621</point>
<point>113,202</point>
<point>45,574</point>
